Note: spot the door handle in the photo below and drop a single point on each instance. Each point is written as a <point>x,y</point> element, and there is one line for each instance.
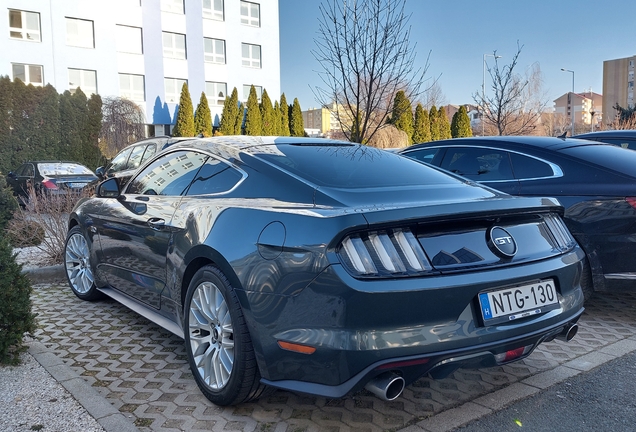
<point>156,223</point>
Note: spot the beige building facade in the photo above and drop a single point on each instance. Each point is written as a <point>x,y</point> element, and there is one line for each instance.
<point>587,107</point>
<point>618,85</point>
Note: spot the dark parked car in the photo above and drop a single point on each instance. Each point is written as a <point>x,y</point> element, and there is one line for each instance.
<point>126,162</point>
<point>52,177</point>
<point>595,182</point>
<point>322,266</point>
<point>621,138</point>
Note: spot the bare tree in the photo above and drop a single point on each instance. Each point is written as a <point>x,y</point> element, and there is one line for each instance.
<point>625,118</point>
<point>433,96</point>
<point>122,124</point>
<point>364,48</point>
<point>518,101</point>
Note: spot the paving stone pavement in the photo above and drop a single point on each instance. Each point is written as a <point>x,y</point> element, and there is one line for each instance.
<point>142,370</point>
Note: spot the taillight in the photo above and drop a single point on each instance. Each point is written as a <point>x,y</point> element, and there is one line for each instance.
<point>631,201</point>
<point>383,253</point>
<point>513,354</point>
<point>48,184</point>
<point>560,233</point>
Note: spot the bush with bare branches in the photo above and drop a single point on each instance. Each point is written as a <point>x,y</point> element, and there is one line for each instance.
<point>43,223</point>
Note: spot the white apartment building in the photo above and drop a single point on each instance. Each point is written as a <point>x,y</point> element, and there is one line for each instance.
<point>144,50</point>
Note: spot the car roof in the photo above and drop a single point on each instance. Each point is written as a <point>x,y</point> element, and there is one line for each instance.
<point>245,142</point>
<point>625,133</point>
<point>552,143</point>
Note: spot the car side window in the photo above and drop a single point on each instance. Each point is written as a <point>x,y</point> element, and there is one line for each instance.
<point>479,164</point>
<point>151,149</point>
<point>170,174</point>
<point>423,155</point>
<point>120,161</point>
<point>29,171</point>
<point>526,167</point>
<point>214,177</point>
<point>135,157</point>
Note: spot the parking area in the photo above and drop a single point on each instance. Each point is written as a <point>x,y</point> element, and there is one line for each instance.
<point>142,370</point>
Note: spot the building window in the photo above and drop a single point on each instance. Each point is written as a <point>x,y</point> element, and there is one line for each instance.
<point>246,91</point>
<point>172,88</point>
<point>129,39</point>
<point>214,50</point>
<point>250,14</point>
<point>80,33</point>
<point>216,92</point>
<point>213,9</point>
<point>132,87</point>
<point>84,79</point>
<point>24,25</point>
<point>28,74</point>
<point>174,6</point>
<point>251,55</point>
<point>174,45</point>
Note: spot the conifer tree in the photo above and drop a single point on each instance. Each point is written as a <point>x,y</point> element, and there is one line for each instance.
<point>460,126</point>
<point>240,120</point>
<point>184,125</point>
<point>277,119</point>
<point>6,110</point>
<point>203,118</point>
<point>296,125</point>
<point>253,119</point>
<point>70,137</point>
<point>434,120</point>
<point>444,125</point>
<point>94,157</point>
<point>422,126</point>
<point>230,114</point>
<point>267,115</point>
<point>284,116</point>
<point>402,114</point>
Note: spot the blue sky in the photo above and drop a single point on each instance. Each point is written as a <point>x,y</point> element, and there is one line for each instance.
<point>576,35</point>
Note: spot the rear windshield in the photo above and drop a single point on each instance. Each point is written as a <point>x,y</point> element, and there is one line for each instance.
<point>61,168</point>
<point>609,156</point>
<point>353,166</point>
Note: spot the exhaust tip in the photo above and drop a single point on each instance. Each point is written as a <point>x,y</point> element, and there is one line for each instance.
<point>388,386</point>
<point>568,332</point>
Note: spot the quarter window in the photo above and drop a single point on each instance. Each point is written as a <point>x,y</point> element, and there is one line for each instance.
<point>129,39</point>
<point>173,87</point>
<point>132,87</point>
<point>80,33</point>
<point>28,74</point>
<point>250,14</point>
<point>214,50</point>
<point>529,168</point>
<point>216,92</point>
<point>174,45</point>
<point>168,175</point>
<point>213,9</point>
<point>24,25</point>
<point>84,79</point>
<point>214,177</point>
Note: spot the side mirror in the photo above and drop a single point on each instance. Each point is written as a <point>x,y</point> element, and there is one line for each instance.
<point>11,174</point>
<point>99,172</point>
<point>108,189</point>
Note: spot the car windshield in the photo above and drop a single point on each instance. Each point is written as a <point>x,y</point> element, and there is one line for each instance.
<point>609,156</point>
<point>61,168</point>
<point>350,166</point>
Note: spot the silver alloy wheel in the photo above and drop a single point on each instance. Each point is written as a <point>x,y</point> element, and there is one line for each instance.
<point>77,263</point>
<point>211,335</point>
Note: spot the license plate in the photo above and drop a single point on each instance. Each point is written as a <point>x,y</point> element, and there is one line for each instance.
<point>77,185</point>
<point>512,303</point>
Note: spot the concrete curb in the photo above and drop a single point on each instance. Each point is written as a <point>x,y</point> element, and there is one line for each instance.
<point>54,273</point>
<point>451,419</point>
<point>96,405</point>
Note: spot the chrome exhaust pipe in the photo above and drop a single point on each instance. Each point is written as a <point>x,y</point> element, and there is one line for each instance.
<point>387,386</point>
<point>569,331</point>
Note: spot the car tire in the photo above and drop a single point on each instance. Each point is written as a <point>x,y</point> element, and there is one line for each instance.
<point>78,267</point>
<point>218,342</point>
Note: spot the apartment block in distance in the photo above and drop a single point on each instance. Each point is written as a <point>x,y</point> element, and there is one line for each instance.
<point>618,85</point>
<point>587,107</point>
<point>144,50</point>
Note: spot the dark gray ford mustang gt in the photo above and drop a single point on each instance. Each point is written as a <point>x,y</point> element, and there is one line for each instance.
<point>324,267</point>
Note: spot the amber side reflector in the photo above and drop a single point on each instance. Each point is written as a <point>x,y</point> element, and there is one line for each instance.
<point>303,349</point>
